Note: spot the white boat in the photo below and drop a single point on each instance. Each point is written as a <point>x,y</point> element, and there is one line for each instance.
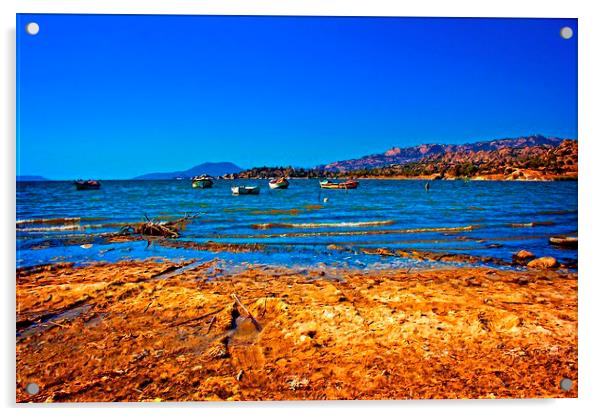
<point>245,190</point>
<point>280,183</point>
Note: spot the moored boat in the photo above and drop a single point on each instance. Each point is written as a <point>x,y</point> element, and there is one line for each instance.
<point>245,190</point>
<point>349,184</point>
<point>280,183</point>
<point>86,185</point>
<point>202,182</point>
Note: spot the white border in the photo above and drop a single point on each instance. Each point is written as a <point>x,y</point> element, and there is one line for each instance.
<point>590,137</point>
<point>507,8</point>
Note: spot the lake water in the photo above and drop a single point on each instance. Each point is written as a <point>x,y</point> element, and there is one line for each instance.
<point>298,224</point>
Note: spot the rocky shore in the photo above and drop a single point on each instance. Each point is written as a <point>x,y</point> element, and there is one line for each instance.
<point>157,330</point>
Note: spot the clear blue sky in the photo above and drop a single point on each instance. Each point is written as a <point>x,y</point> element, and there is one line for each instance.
<point>119,96</point>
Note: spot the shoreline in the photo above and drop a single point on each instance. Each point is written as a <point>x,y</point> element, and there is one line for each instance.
<point>494,178</point>
<point>160,331</point>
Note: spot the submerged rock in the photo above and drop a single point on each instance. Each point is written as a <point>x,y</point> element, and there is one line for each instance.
<point>544,263</point>
<point>564,241</point>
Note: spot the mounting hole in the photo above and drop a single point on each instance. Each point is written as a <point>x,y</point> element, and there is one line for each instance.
<point>566,384</point>
<point>32,388</point>
<point>32,28</point>
<point>566,32</point>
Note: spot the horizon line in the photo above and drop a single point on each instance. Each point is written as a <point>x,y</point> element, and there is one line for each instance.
<point>318,165</point>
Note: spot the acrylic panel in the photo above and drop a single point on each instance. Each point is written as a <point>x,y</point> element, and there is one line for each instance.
<point>295,208</point>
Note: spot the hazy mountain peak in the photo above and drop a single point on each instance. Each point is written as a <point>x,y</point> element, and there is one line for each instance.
<point>209,168</point>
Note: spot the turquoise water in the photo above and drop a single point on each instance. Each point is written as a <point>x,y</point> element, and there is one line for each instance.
<point>298,224</point>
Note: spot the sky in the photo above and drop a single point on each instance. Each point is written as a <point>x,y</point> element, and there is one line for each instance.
<point>113,97</point>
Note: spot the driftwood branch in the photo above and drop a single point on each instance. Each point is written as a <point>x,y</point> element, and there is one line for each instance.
<point>154,228</point>
<point>210,324</point>
<point>245,310</point>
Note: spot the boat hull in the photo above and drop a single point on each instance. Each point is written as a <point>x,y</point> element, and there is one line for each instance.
<point>87,186</point>
<point>279,185</point>
<point>339,185</point>
<point>245,190</point>
<point>202,183</point>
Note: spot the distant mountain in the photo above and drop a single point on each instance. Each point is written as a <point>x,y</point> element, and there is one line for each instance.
<point>209,168</point>
<point>402,156</point>
<point>30,178</point>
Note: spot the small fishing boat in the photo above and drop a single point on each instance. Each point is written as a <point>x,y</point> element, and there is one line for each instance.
<point>564,241</point>
<point>349,184</point>
<point>202,182</point>
<point>280,183</point>
<point>245,190</point>
<point>86,185</point>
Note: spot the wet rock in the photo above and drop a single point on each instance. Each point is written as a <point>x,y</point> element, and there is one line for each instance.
<point>522,257</point>
<point>564,241</point>
<point>543,263</point>
<point>473,282</point>
<point>522,281</point>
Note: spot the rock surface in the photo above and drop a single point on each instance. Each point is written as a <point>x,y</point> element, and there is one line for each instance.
<point>544,263</point>
<point>126,332</point>
<point>522,257</point>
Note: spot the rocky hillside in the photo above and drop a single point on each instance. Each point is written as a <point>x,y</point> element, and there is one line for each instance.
<point>523,158</point>
<point>541,161</point>
<point>402,156</point>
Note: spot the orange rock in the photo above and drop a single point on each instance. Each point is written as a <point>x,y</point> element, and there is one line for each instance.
<point>543,263</point>
<point>523,256</point>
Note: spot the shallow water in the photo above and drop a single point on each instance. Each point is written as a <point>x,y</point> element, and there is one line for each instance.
<point>297,224</point>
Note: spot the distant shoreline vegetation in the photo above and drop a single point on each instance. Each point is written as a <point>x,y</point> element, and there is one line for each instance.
<point>548,161</point>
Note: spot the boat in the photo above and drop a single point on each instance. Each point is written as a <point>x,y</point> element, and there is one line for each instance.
<point>349,184</point>
<point>86,185</point>
<point>202,182</point>
<point>245,190</point>
<point>564,241</point>
<point>280,183</point>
